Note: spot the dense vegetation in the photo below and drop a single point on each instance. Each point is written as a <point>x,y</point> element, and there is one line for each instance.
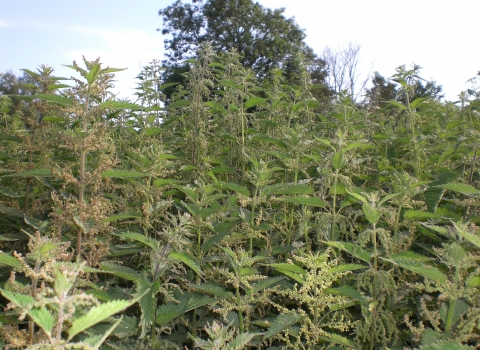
<point>238,212</point>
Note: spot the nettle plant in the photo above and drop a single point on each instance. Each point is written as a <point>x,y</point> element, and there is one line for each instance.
<point>235,214</point>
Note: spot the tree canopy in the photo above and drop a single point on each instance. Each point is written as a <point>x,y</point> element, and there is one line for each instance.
<point>264,37</point>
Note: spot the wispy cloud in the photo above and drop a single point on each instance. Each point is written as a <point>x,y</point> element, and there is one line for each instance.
<point>121,48</point>
<point>4,24</point>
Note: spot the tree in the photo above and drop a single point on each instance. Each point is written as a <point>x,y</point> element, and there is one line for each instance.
<point>382,90</point>
<point>343,74</point>
<point>263,37</point>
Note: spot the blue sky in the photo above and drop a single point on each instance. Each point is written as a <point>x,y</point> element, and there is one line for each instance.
<point>441,36</point>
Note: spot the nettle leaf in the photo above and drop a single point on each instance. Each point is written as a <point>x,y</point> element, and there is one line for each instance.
<point>237,188</point>
<point>7,259</point>
<point>165,182</point>
<point>11,212</point>
<point>254,101</point>
<point>92,74</point>
<point>371,213</point>
<point>288,189</point>
<point>59,100</point>
<point>462,188</point>
<point>12,138</point>
<point>187,302</point>
<point>124,216</point>
<point>291,270</point>
<point>337,339</point>
<point>32,173</point>
<point>395,104</point>
<point>471,237</point>
<point>300,200</point>
<point>120,105</point>
<point>346,267</point>
<point>149,242</point>
<point>419,268</point>
<point>352,249</point>
<point>223,230</point>
<point>213,289</point>
<point>187,259</point>
<point>282,323</point>
<point>20,300</point>
<point>261,285</point>
<point>120,271</point>
<point>338,160</point>
<point>418,215</point>
<point>42,318</point>
<point>96,315</point>
<point>349,292</point>
<point>180,103</point>
<point>473,282</point>
<point>153,130</point>
<point>124,174</point>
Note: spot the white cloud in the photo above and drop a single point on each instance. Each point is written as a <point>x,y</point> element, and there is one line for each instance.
<point>4,24</point>
<point>121,48</point>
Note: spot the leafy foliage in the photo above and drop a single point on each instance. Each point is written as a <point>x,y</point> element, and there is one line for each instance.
<point>232,215</point>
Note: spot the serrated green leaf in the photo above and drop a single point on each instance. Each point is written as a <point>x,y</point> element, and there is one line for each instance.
<point>124,216</point>
<point>418,215</point>
<point>21,300</point>
<point>237,188</point>
<point>187,259</point>
<point>92,74</point>
<point>395,104</point>
<point>337,339</point>
<point>120,105</point>
<point>212,289</point>
<point>120,271</point>
<point>462,188</point>
<point>254,101</point>
<point>348,291</point>
<point>32,173</point>
<point>125,174</point>
<point>408,255</point>
<point>282,323</point>
<point>10,138</point>
<point>288,189</point>
<point>223,230</point>
<point>288,267</point>
<point>59,100</point>
<point>352,249</point>
<point>300,200</point>
<point>42,318</point>
<point>473,238</point>
<point>153,130</point>
<point>96,315</point>
<point>165,182</point>
<point>187,302</point>
<point>338,160</point>
<point>371,213</point>
<point>15,213</point>
<point>7,259</point>
<point>473,282</point>
<point>346,267</point>
<point>180,103</point>
<point>265,283</point>
<point>419,268</point>
<point>149,242</point>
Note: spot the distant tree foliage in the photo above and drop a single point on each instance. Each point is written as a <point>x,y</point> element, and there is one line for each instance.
<point>264,38</point>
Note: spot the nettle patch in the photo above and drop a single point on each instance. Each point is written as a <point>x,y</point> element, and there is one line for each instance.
<point>236,214</point>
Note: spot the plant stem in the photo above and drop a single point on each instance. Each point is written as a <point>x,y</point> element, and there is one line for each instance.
<point>239,306</point>
<point>82,185</point>
<point>334,205</point>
